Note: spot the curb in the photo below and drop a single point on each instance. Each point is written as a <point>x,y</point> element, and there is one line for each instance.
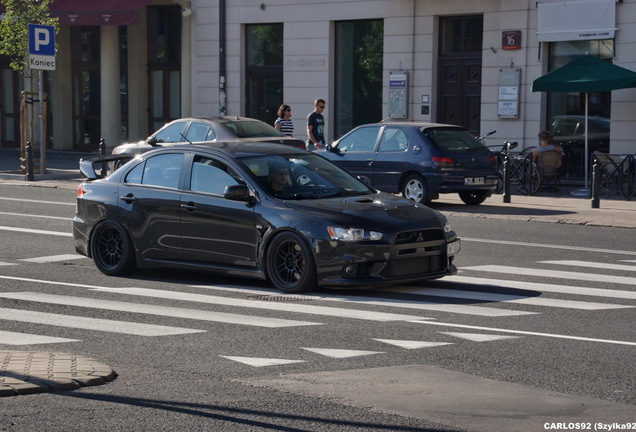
<point>28,372</point>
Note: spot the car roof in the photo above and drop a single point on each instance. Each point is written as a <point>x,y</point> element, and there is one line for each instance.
<point>219,119</point>
<point>424,125</point>
<point>235,149</point>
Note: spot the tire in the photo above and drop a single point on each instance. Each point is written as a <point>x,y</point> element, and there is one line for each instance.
<point>414,188</point>
<point>474,197</point>
<point>290,264</point>
<point>112,250</point>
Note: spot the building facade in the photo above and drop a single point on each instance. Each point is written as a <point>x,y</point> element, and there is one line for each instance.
<point>459,61</point>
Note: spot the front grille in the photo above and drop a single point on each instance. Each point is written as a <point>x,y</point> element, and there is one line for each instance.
<point>412,266</point>
<point>417,252</point>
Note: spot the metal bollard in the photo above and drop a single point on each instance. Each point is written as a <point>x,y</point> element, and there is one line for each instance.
<point>29,162</point>
<point>506,179</point>
<point>596,184</point>
<point>102,151</point>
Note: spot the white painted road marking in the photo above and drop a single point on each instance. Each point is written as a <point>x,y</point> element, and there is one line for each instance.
<point>507,298</point>
<point>37,216</point>
<point>98,324</point>
<point>550,246</point>
<point>477,337</point>
<point>552,335</point>
<point>410,344</point>
<point>260,362</point>
<point>543,287</point>
<point>259,304</point>
<point>341,353</point>
<point>406,304</point>
<point>54,258</point>
<point>34,231</point>
<point>13,338</point>
<point>588,264</point>
<point>591,277</point>
<point>193,314</point>
<point>30,201</point>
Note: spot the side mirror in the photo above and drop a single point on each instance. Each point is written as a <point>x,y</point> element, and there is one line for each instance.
<point>365,180</point>
<point>239,193</point>
<point>152,141</point>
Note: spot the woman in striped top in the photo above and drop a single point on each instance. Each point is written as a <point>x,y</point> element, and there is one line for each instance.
<point>283,123</point>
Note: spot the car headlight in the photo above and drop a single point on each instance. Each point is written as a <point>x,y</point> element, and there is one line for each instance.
<point>352,234</point>
<point>447,227</point>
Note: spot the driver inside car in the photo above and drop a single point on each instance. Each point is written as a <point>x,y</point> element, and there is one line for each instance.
<point>278,180</point>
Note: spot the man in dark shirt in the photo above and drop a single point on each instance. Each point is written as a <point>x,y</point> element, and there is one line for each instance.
<point>316,126</point>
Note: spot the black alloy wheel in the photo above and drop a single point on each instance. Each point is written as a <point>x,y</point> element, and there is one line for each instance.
<point>290,264</point>
<point>112,249</point>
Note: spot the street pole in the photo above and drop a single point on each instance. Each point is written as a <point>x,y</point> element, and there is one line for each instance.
<point>42,140</point>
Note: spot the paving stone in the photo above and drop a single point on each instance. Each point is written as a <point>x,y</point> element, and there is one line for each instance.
<point>27,372</point>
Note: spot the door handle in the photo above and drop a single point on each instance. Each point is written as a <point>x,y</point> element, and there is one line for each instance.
<point>189,207</point>
<point>128,198</point>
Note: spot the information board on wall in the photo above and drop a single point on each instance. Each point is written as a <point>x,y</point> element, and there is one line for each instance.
<point>398,85</point>
<point>509,81</point>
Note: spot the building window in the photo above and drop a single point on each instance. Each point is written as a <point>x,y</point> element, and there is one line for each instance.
<point>164,64</point>
<point>85,58</point>
<point>264,73</point>
<point>358,91</point>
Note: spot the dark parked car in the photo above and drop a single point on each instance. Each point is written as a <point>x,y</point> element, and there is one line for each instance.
<point>209,129</point>
<point>419,160</point>
<point>218,208</point>
<point>569,132</point>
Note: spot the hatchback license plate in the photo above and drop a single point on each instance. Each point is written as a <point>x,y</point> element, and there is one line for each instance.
<point>474,180</point>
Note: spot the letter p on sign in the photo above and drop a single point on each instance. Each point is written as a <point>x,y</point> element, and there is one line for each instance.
<point>41,40</point>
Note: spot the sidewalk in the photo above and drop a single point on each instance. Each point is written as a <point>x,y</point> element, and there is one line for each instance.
<point>550,207</point>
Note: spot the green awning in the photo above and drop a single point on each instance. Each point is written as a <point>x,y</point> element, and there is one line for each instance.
<point>586,74</point>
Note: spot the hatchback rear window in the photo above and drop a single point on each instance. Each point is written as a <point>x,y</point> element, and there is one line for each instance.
<point>452,140</point>
<point>251,129</point>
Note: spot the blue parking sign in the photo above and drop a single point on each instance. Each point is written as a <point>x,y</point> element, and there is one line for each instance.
<point>41,40</point>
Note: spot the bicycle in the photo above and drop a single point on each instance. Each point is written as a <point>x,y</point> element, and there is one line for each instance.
<point>524,174</point>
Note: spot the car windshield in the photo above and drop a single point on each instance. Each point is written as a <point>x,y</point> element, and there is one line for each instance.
<point>250,129</point>
<point>303,176</point>
<point>452,140</point>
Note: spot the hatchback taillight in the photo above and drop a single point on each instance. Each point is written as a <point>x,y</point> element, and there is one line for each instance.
<point>442,162</point>
<point>80,191</point>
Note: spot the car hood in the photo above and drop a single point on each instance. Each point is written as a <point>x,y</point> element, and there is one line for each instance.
<point>382,212</point>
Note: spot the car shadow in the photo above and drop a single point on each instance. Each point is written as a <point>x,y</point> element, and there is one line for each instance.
<point>411,293</point>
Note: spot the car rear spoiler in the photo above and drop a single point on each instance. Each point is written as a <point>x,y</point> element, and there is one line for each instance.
<point>87,165</point>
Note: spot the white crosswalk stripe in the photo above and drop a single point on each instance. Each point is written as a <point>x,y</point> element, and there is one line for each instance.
<point>54,258</point>
<point>529,297</point>
<point>79,322</point>
<point>192,314</point>
<point>506,298</point>
<point>519,271</point>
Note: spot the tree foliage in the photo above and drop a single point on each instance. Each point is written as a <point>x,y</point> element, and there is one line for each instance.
<point>14,40</point>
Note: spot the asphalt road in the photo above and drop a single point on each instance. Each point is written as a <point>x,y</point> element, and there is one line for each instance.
<point>535,332</point>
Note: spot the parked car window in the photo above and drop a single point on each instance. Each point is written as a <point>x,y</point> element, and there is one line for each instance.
<point>212,176</point>
<point>171,134</point>
<point>361,140</point>
<point>393,140</point>
<point>453,139</point>
<point>162,170</point>
<point>198,132</point>
<point>251,129</point>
